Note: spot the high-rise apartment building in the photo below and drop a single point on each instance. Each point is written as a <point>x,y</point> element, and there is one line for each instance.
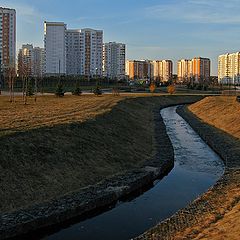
<point>30,61</point>
<point>75,52</point>
<point>114,55</point>
<point>25,60</point>
<point>184,70</point>
<point>201,69</point>
<point>138,69</point>
<point>229,68</point>
<point>7,38</point>
<point>84,49</point>
<point>38,62</point>
<point>55,48</point>
<point>159,70</point>
<point>162,70</point>
<point>197,70</point>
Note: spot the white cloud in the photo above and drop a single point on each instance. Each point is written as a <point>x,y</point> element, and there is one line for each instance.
<point>196,11</point>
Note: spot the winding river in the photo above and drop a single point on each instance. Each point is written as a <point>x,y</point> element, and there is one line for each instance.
<point>197,167</point>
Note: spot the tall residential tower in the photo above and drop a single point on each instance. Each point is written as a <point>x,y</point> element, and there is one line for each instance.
<point>30,61</point>
<point>196,70</point>
<point>84,52</point>
<point>55,48</point>
<point>7,38</point>
<point>229,68</point>
<point>114,55</point>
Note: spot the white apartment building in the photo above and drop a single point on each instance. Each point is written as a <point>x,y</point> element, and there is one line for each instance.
<point>38,62</point>
<point>30,61</point>
<point>162,70</point>
<point>25,60</point>
<point>114,57</point>
<point>84,48</point>
<point>55,48</point>
<point>229,68</point>
<point>184,70</point>
<point>75,52</point>
<point>7,38</point>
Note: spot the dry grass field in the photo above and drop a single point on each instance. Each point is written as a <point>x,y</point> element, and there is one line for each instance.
<point>59,145</point>
<point>222,112</point>
<point>50,111</point>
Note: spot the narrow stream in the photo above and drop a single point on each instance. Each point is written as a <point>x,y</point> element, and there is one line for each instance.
<point>196,169</point>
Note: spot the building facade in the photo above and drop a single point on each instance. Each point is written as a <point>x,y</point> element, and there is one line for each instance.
<point>196,70</point>
<point>158,70</point>
<point>114,57</point>
<point>75,52</point>
<point>138,69</point>
<point>55,48</point>
<point>25,60</point>
<point>30,61</point>
<point>7,38</point>
<point>162,70</point>
<point>229,68</point>
<point>201,69</point>
<point>84,52</point>
<point>184,70</point>
<point>38,62</point>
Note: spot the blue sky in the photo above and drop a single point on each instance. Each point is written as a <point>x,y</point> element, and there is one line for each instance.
<point>152,29</point>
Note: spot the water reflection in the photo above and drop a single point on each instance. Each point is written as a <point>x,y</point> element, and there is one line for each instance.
<point>191,152</point>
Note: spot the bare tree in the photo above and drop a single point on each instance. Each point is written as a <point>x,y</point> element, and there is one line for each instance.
<point>10,74</point>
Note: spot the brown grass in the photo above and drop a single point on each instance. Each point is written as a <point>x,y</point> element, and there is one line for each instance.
<point>222,112</point>
<point>59,145</point>
<point>50,111</point>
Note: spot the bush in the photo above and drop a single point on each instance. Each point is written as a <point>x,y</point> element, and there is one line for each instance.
<point>59,91</point>
<point>152,87</point>
<point>97,91</point>
<point>171,89</point>
<point>77,91</point>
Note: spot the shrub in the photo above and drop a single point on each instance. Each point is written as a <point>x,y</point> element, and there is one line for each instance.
<point>152,88</point>
<point>97,91</point>
<point>171,89</point>
<point>59,91</point>
<point>77,91</point>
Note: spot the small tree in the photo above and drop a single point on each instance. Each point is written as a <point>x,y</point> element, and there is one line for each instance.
<point>77,91</point>
<point>152,87</point>
<point>97,91</point>
<point>59,91</point>
<point>171,89</point>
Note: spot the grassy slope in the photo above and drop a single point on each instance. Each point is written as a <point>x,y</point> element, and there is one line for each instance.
<point>57,146</point>
<point>222,112</point>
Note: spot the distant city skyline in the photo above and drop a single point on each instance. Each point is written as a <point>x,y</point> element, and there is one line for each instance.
<point>151,29</point>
